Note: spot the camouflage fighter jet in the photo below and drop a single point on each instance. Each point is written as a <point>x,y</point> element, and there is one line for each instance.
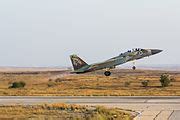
<point>82,67</point>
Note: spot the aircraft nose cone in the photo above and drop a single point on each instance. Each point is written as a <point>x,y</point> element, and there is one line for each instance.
<point>155,51</point>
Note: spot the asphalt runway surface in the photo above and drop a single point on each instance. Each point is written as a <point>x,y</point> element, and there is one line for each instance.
<point>149,108</point>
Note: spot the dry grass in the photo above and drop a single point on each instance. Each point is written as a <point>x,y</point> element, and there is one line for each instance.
<point>62,112</point>
<point>93,84</point>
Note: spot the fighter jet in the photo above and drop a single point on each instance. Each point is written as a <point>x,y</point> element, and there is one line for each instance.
<point>131,55</point>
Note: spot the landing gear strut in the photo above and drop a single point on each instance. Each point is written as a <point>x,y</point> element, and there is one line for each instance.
<point>134,67</point>
<point>107,73</point>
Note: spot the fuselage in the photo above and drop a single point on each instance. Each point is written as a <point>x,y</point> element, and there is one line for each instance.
<point>128,56</point>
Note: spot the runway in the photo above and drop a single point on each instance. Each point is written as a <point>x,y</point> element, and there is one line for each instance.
<point>149,108</point>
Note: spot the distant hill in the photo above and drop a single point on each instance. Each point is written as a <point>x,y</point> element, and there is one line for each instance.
<point>166,67</point>
<point>32,69</point>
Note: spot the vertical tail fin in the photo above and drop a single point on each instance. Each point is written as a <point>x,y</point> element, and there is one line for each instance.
<point>77,62</point>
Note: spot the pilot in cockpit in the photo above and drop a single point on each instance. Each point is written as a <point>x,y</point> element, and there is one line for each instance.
<point>138,49</point>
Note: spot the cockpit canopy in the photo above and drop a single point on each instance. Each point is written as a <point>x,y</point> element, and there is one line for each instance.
<point>133,50</point>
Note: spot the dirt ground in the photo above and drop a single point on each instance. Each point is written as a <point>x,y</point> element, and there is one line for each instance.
<point>123,82</point>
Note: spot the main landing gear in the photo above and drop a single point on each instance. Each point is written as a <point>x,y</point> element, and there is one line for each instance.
<point>107,73</point>
<point>134,67</point>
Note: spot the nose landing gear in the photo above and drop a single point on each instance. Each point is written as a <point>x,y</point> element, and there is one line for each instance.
<point>134,67</point>
<point>107,73</point>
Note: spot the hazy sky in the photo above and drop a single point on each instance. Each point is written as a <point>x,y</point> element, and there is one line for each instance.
<point>46,32</point>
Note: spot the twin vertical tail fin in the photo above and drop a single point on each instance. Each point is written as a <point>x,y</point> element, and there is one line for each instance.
<point>77,62</point>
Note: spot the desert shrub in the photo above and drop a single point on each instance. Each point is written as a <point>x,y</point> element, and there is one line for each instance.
<point>165,80</point>
<point>51,84</point>
<point>145,83</point>
<point>59,80</point>
<point>20,84</point>
<point>126,84</point>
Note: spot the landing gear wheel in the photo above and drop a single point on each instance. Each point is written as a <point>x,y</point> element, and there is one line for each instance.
<point>134,67</point>
<point>107,73</point>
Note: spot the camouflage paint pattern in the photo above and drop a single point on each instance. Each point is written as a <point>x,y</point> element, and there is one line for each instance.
<point>81,67</point>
